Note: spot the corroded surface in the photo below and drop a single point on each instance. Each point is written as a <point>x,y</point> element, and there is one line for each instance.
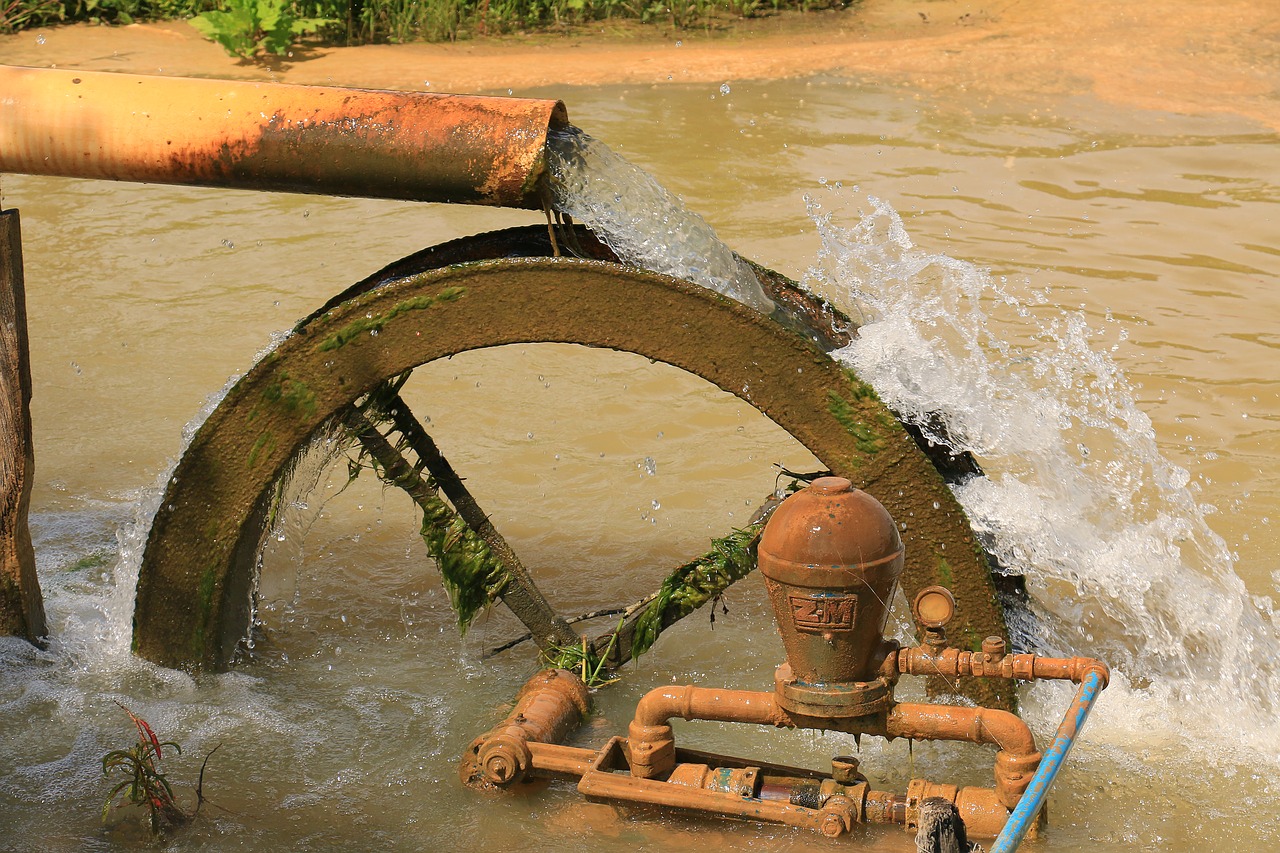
<point>194,589</point>
<point>267,136</point>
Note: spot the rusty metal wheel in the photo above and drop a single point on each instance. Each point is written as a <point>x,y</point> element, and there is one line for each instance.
<point>195,584</point>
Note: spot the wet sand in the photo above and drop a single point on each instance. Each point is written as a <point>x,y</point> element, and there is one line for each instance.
<point>1184,56</point>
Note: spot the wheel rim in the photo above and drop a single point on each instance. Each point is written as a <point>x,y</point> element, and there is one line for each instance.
<point>194,589</point>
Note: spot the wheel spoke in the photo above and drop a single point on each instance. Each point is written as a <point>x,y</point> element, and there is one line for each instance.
<point>516,589</point>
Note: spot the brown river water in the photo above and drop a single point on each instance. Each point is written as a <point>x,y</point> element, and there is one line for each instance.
<point>1107,343</point>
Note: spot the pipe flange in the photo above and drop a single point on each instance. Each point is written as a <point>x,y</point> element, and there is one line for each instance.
<point>832,700</point>
<point>504,760</point>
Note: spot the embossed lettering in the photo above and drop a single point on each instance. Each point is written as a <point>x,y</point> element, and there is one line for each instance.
<point>825,613</point>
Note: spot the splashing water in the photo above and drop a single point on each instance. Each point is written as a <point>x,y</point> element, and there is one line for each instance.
<point>642,222</point>
<point>1117,553</point>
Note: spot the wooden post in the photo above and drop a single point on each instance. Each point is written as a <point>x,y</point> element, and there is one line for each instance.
<point>21,605</point>
<point>941,830</point>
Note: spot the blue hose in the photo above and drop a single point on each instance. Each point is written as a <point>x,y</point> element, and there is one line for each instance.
<point>1024,814</point>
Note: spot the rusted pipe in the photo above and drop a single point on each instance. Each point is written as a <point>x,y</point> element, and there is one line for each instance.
<point>548,709</point>
<point>1016,759</point>
<point>1024,815</point>
<point>992,662</point>
<point>270,136</point>
<point>651,741</point>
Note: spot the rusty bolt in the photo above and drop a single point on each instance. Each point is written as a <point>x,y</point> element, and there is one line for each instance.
<point>993,648</point>
<point>844,769</point>
<point>832,825</point>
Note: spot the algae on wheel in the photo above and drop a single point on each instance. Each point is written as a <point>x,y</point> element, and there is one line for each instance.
<point>194,601</point>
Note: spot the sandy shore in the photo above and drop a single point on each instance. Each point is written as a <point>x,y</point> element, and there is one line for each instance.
<point>1180,55</point>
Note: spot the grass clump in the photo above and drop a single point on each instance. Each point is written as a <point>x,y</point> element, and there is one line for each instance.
<point>260,29</point>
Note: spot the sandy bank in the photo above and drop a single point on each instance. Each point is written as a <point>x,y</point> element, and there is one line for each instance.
<point>1180,55</point>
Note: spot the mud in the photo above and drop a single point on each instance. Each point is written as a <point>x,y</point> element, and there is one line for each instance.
<point>1182,56</point>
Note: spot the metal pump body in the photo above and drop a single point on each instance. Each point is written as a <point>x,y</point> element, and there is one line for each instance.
<point>831,557</point>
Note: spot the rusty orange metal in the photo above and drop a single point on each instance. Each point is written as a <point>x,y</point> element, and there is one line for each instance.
<point>550,706</point>
<point>270,136</point>
<point>992,662</point>
<point>831,558</point>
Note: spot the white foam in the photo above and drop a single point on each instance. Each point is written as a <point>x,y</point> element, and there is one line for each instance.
<point>1118,554</point>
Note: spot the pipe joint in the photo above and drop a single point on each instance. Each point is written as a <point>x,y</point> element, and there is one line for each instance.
<point>651,750</point>
<point>1013,774</point>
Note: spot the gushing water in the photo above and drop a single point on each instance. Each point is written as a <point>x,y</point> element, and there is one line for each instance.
<point>645,224</point>
<point>1118,554</point>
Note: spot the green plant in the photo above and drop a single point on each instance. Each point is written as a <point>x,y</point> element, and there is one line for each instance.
<point>584,661</point>
<point>144,785</point>
<point>250,29</point>
<point>17,14</point>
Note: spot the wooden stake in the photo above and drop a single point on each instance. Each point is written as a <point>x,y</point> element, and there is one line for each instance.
<point>21,605</point>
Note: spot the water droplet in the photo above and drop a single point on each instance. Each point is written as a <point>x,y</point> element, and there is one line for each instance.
<point>40,39</point>
<point>679,43</point>
<point>306,214</point>
<point>228,244</point>
<point>655,504</point>
<point>724,88</point>
<point>529,436</point>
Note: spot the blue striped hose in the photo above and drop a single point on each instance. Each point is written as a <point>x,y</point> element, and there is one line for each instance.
<point>1024,814</point>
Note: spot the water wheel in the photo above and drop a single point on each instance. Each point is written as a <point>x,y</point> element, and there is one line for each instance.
<point>342,364</point>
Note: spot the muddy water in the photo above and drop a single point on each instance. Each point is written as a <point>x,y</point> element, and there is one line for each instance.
<point>1160,228</point>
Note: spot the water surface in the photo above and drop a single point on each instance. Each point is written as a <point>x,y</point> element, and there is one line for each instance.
<point>1159,229</point>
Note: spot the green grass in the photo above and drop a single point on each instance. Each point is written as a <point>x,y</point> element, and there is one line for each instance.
<point>368,21</point>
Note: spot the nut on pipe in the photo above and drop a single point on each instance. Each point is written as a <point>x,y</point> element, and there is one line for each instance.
<point>270,136</point>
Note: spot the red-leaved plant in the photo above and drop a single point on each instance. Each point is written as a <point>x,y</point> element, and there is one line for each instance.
<point>144,784</point>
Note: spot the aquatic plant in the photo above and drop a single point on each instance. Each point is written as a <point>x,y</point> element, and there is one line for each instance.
<point>144,784</point>
<point>366,21</point>
<point>584,660</point>
<point>19,14</point>
<point>696,583</point>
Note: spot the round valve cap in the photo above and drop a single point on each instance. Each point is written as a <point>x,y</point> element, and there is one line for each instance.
<point>934,606</point>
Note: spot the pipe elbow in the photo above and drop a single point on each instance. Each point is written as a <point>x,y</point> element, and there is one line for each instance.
<point>1007,731</point>
<point>1089,666</point>
<point>974,725</point>
<point>660,704</point>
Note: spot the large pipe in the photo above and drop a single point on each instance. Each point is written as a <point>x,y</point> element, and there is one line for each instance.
<point>269,136</point>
